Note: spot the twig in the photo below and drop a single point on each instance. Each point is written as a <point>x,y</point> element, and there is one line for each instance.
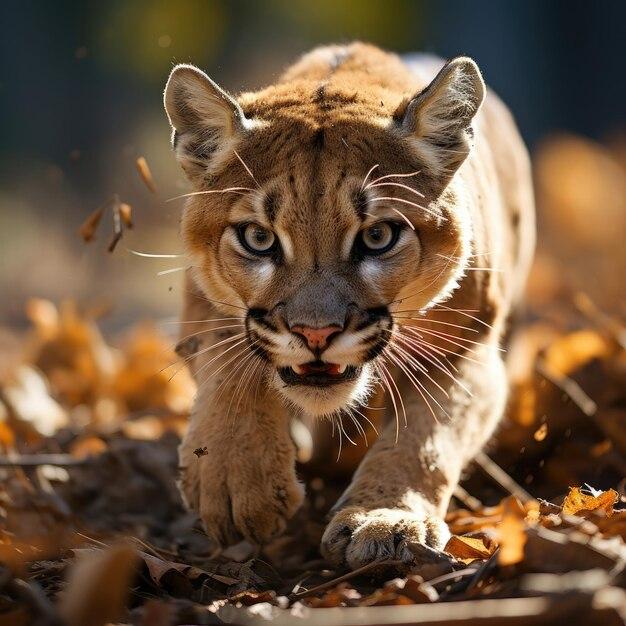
<point>498,475</point>
<point>461,573</point>
<point>590,310</point>
<point>118,230</point>
<point>466,586</point>
<point>35,460</point>
<point>569,387</point>
<point>472,503</point>
<point>488,565</point>
<point>335,581</point>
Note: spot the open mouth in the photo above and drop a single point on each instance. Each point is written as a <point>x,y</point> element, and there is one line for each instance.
<point>318,374</point>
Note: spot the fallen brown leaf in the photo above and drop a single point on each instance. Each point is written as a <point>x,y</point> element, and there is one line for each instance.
<point>468,548</point>
<point>145,173</point>
<point>98,586</point>
<point>88,228</point>
<point>126,214</point>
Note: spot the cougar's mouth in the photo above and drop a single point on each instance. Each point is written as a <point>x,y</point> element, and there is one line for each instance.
<point>318,374</point>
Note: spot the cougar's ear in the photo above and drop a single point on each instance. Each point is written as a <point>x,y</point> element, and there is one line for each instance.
<point>438,119</point>
<point>206,120</point>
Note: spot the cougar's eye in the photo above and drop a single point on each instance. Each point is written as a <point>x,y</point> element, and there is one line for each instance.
<point>378,238</point>
<point>257,239</point>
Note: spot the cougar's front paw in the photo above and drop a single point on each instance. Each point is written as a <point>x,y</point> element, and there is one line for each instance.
<point>356,536</point>
<point>261,506</point>
<point>235,503</point>
<point>206,493</point>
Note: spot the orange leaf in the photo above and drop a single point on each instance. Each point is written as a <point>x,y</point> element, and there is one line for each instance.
<point>568,354</point>
<point>146,175</point>
<point>126,214</point>
<point>511,532</point>
<point>578,503</point>
<point>541,432</point>
<point>512,539</point>
<point>467,548</point>
<point>88,228</point>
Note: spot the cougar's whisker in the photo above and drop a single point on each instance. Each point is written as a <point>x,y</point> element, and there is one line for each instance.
<point>463,312</point>
<point>339,430</point>
<point>419,387</point>
<point>425,354</point>
<point>390,381</point>
<point>214,319</point>
<point>368,175</point>
<point>254,380</point>
<point>150,255</point>
<point>435,279</point>
<point>219,356</point>
<point>411,362</point>
<point>445,336</point>
<point>340,418</point>
<point>199,352</point>
<point>357,425</point>
<point>247,168</point>
<point>241,191</point>
<point>367,419</point>
<point>418,332</point>
<point>403,201</point>
<point>447,351</point>
<point>387,176</point>
<point>390,184</point>
<point>230,374</point>
<point>172,270</point>
<point>404,217</point>
<point>208,330</point>
<point>245,364</point>
<point>236,306</point>
<point>431,321</point>
<point>423,311</point>
<point>243,381</point>
<point>418,366</point>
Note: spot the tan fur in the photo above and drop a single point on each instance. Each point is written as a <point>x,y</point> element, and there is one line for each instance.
<point>294,157</point>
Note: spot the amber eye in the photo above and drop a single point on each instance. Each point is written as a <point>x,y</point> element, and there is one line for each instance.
<point>257,239</point>
<point>378,238</point>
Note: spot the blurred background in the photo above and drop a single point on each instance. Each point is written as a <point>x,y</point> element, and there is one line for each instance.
<point>80,99</point>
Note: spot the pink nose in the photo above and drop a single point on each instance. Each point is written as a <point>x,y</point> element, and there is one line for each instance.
<point>316,338</point>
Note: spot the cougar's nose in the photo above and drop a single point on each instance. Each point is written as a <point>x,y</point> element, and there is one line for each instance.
<point>316,338</point>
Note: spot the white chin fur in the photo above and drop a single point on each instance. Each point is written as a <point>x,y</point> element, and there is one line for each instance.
<point>324,401</point>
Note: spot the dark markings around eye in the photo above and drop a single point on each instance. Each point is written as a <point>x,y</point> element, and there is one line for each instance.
<point>359,201</point>
<point>270,204</point>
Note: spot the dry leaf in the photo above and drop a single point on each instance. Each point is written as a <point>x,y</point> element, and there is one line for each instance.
<point>126,214</point>
<point>571,352</point>
<point>88,228</point>
<point>44,316</point>
<point>468,548</point>
<point>29,398</point>
<point>87,446</point>
<point>99,586</point>
<point>578,503</point>
<point>146,175</point>
<point>511,533</point>
<point>541,433</point>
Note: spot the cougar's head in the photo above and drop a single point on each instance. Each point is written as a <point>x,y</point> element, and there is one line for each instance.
<point>323,207</point>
